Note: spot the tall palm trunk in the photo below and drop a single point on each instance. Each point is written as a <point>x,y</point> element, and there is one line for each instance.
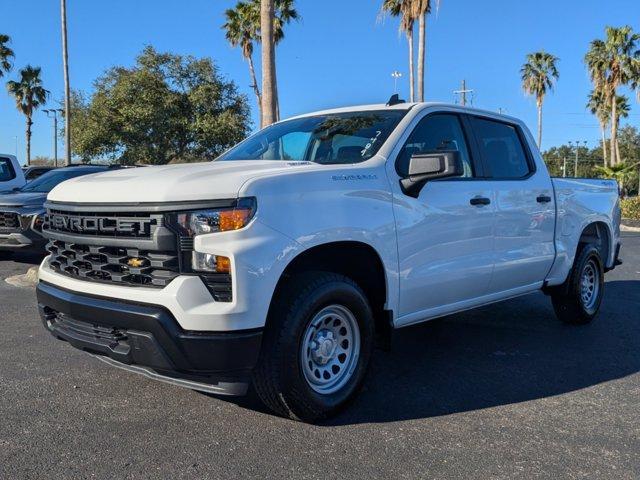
<point>268,63</point>
<point>539,103</point>
<point>275,85</point>
<point>67,91</point>
<point>614,131</point>
<point>28,138</point>
<point>254,84</point>
<point>422,40</point>
<point>618,152</point>
<point>604,143</point>
<point>412,80</point>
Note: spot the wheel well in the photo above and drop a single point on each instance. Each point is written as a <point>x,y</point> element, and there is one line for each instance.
<point>597,234</point>
<point>356,260</point>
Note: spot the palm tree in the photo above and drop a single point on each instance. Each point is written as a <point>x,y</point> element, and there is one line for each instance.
<point>29,94</point>
<point>538,77</point>
<point>614,62</point>
<point>598,106</point>
<point>404,10</point>
<point>422,8</point>
<point>267,17</point>
<point>622,111</point>
<point>6,55</point>
<point>619,172</point>
<point>67,88</point>
<point>242,30</point>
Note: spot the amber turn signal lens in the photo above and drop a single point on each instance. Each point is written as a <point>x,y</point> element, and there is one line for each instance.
<point>234,219</point>
<point>223,264</point>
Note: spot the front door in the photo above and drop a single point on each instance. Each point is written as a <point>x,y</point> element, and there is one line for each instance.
<point>445,235</point>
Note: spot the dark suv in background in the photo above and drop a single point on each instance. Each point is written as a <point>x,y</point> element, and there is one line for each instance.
<point>22,210</point>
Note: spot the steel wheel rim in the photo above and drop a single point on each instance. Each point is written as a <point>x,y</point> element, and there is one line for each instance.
<point>330,349</point>
<point>589,285</point>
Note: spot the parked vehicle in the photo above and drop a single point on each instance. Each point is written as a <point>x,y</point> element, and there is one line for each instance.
<point>11,175</point>
<point>282,261</point>
<point>22,210</point>
<point>33,172</point>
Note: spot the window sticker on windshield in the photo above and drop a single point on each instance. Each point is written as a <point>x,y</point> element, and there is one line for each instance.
<point>372,142</point>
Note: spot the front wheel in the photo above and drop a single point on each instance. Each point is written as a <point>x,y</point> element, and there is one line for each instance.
<point>317,346</point>
<point>580,302</point>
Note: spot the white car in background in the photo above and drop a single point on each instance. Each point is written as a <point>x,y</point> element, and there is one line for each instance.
<point>11,174</point>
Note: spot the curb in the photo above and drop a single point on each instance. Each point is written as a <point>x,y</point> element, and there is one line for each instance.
<point>26,280</point>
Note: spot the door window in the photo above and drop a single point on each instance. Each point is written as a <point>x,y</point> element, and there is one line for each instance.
<point>6,170</point>
<point>433,133</point>
<point>501,148</point>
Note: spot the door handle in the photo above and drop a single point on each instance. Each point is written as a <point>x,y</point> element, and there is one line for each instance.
<point>543,199</point>
<point>480,201</point>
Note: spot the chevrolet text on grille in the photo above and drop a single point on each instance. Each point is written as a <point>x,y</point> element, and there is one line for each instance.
<point>81,224</point>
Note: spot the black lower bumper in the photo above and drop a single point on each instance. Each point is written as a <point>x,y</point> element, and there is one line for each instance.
<point>147,336</point>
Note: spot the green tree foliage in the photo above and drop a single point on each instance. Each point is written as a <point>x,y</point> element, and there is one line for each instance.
<point>6,55</point>
<point>166,108</point>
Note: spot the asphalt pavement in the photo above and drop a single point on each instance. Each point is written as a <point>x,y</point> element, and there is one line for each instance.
<point>506,391</point>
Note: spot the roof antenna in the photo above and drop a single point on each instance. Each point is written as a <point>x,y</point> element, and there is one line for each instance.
<point>394,100</point>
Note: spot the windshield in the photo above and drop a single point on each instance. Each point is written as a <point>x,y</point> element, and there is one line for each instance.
<point>46,182</point>
<point>327,139</point>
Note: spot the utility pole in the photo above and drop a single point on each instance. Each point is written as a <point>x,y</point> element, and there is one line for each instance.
<point>575,168</point>
<point>396,75</point>
<point>564,168</point>
<point>67,91</point>
<point>463,93</point>
<point>53,113</point>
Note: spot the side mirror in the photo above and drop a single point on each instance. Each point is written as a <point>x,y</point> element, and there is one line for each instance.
<point>431,166</point>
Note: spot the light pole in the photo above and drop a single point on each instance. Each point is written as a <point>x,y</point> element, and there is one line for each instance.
<point>396,75</point>
<point>53,113</point>
<point>575,167</point>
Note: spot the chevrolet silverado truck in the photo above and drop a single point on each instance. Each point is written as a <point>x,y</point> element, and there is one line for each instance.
<point>282,263</point>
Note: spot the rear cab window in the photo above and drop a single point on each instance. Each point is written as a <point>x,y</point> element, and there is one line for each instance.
<point>6,170</point>
<point>502,150</point>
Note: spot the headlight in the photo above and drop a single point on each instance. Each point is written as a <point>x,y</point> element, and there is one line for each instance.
<point>201,222</point>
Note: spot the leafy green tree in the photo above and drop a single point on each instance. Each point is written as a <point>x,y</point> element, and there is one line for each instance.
<point>6,55</point>
<point>29,94</point>
<point>539,74</point>
<point>612,63</point>
<point>166,108</point>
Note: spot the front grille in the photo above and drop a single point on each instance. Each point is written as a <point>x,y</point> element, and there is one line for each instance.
<point>110,336</point>
<point>119,265</point>
<point>116,225</point>
<point>9,221</point>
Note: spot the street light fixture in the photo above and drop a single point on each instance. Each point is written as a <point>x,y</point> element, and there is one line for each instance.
<point>53,113</point>
<point>396,75</point>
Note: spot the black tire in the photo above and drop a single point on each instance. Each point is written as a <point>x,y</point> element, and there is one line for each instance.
<point>568,302</point>
<point>279,379</point>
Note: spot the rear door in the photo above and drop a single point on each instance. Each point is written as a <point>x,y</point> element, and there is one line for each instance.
<point>525,209</point>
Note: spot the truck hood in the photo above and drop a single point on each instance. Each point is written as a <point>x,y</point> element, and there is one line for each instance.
<point>169,183</point>
<point>22,199</point>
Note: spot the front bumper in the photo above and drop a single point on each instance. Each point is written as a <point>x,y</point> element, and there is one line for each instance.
<point>147,339</point>
<point>25,241</point>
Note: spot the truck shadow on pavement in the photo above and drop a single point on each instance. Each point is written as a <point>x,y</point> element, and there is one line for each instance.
<point>501,354</point>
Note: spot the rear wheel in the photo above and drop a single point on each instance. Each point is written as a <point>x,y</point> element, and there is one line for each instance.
<point>317,346</point>
<point>580,300</point>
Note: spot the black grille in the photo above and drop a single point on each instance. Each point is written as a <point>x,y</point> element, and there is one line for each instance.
<point>117,225</point>
<point>9,220</point>
<point>110,336</point>
<point>120,265</point>
<point>219,284</point>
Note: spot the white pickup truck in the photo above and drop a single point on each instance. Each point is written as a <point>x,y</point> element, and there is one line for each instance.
<point>280,263</point>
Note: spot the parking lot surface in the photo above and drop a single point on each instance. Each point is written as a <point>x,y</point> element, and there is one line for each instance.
<point>506,391</point>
